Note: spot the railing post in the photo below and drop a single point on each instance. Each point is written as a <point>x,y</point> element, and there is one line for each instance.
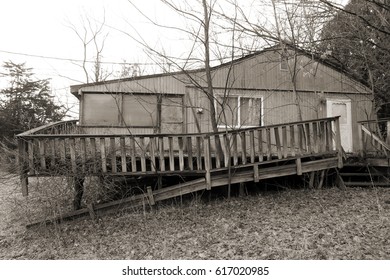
<point>361,140</point>
<point>23,165</point>
<point>207,161</point>
<point>338,142</point>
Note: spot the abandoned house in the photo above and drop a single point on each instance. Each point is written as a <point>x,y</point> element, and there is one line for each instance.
<point>278,112</point>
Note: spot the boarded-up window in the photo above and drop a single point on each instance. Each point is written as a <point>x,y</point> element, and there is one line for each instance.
<point>101,109</point>
<point>171,114</point>
<point>140,110</point>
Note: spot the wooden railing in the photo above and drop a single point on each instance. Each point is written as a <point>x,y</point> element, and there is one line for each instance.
<point>61,127</point>
<point>375,137</point>
<point>43,154</point>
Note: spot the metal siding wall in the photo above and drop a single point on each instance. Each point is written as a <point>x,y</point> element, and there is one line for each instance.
<point>160,84</point>
<point>117,130</point>
<point>263,72</point>
<point>256,73</point>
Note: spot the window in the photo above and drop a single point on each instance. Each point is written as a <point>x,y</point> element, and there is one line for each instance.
<point>101,109</point>
<point>237,111</point>
<point>134,110</point>
<point>283,62</point>
<point>140,110</point>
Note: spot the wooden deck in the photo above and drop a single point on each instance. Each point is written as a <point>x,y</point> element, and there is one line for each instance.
<point>244,155</point>
<point>63,150</point>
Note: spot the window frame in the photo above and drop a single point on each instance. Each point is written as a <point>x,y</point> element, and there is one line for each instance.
<point>283,61</point>
<point>121,96</point>
<point>238,125</point>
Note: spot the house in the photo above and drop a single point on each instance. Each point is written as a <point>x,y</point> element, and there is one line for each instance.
<point>268,87</point>
<point>279,112</point>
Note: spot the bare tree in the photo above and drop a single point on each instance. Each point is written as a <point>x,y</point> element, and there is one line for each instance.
<point>92,37</point>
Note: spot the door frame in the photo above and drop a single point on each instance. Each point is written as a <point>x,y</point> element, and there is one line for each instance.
<point>348,103</point>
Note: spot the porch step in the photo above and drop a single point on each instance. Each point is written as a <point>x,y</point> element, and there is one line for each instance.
<point>365,176</point>
<point>360,174</point>
<point>367,184</point>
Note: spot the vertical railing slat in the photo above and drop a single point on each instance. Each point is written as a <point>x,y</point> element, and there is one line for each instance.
<point>307,137</point>
<point>328,136</point>
<point>142,153</point>
<point>315,137</point>
<point>52,152</point>
<point>260,144</point>
<point>72,151</point>
<point>227,151</point>
<point>93,155</point>
<point>252,145</point>
<point>243,147</point>
<point>132,155</point>
<point>234,148</point>
<point>122,143</point>
<point>171,154</point>
<point>300,139</point>
<point>292,140</point>
<point>207,161</point>
<point>161,153</point>
<point>322,136</point>
<point>189,153</point>
<point>217,141</point>
<point>338,142</point>
<point>31,157</point>
<point>181,153</point>
<point>269,144</point>
<point>284,141</point>
<point>199,153</point>
<point>277,142</point>
<point>83,154</point>
<point>41,146</point>
<point>103,154</point>
<point>152,145</point>
<point>113,155</point>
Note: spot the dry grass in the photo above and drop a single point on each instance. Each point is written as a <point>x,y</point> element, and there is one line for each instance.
<point>289,224</point>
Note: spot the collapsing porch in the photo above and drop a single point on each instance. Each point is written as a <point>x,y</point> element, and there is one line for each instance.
<point>210,159</point>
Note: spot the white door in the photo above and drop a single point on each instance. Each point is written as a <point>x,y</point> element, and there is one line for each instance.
<point>342,108</point>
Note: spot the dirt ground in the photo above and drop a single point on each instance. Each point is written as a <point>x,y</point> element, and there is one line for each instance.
<point>10,196</point>
<point>283,224</point>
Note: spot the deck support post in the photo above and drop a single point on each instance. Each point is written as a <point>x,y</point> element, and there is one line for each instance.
<point>91,211</point>
<point>311,181</point>
<point>321,182</point>
<point>242,190</point>
<point>78,184</point>
<point>339,181</point>
<point>150,195</point>
<point>256,173</point>
<point>299,166</point>
<point>23,165</point>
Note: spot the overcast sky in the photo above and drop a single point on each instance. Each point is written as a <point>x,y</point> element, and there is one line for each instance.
<point>38,33</point>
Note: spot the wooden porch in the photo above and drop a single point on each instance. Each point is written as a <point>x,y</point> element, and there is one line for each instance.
<point>209,159</point>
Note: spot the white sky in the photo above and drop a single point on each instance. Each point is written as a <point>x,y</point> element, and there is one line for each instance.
<point>40,28</point>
